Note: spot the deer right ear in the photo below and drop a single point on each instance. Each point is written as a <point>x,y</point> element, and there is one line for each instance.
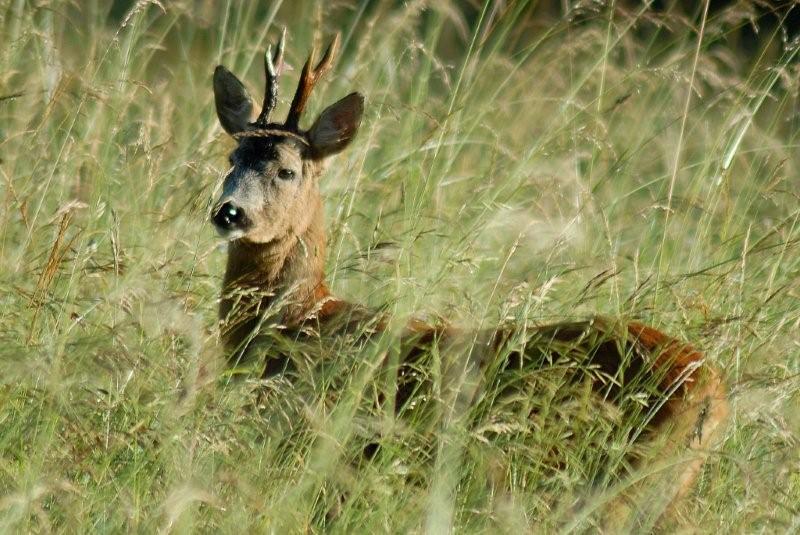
<point>336,126</point>
<point>234,105</point>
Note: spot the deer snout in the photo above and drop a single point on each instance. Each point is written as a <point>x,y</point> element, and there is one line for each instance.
<point>229,218</point>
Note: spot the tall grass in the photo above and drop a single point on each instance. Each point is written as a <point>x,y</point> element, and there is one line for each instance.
<point>619,160</point>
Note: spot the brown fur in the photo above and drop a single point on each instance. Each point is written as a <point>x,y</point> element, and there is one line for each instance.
<point>276,266</point>
<point>692,405</point>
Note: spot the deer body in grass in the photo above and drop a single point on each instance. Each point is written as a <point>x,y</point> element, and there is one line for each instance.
<point>271,213</point>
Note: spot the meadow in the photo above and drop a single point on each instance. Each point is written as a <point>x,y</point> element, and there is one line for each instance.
<point>612,159</point>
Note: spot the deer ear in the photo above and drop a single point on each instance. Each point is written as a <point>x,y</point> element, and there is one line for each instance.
<point>336,126</point>
<point>234,105</point>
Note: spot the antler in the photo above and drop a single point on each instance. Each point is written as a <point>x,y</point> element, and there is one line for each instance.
<point>308,80</point>
<point>273,65</point>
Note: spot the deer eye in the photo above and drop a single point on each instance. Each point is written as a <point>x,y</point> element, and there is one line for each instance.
<point>286,174</point>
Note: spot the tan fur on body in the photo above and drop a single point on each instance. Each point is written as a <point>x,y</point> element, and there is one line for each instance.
<point>272,212</point>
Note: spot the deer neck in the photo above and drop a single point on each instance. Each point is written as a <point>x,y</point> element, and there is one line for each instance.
<point>287,272</point>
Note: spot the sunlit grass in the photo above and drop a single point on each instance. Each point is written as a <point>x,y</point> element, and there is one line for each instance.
<point>501,174</point>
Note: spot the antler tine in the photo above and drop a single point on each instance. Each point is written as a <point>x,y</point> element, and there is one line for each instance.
<point>273,65</point>
<point>326,62</point>
<point>309,78</point>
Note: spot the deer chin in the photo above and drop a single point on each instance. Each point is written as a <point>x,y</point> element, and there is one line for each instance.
<point>230,235</point>
<point>252,236</point>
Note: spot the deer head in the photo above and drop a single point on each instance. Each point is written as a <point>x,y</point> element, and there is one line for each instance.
<point>272,190</point>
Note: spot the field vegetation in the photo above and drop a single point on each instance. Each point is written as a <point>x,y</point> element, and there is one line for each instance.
<point>609,158</point>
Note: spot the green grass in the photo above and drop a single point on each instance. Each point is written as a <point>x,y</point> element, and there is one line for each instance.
<point>505,169</point>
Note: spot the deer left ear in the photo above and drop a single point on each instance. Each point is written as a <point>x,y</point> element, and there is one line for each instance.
<point>336,126</point>
<point>234,105</point>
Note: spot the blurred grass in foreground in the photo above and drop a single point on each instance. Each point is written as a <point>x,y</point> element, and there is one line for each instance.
<point>500,173</point>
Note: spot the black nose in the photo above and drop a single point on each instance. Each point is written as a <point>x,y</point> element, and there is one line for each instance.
<point>229,217</point>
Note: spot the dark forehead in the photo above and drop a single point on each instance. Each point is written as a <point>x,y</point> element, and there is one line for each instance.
<point>261,148</point>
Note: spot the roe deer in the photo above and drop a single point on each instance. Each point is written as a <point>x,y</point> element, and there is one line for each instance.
<point>271,213</point>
